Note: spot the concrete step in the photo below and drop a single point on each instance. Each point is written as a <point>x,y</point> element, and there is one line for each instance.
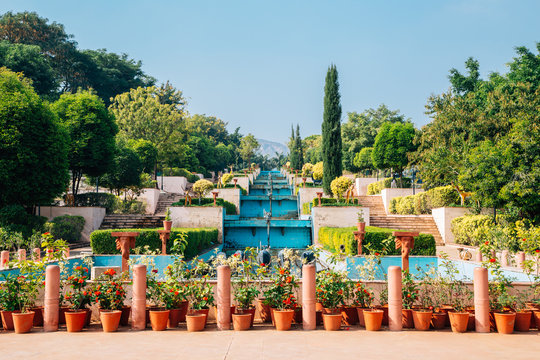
<point>119,221</point>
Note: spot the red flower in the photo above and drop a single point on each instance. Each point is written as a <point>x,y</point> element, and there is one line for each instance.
<point>408,295</point>
<point>281,271</point>
<point>81,281</point>
<point>537,250</point>
<point>524,239</point>
<point>492,260</point>
<point>85,269</point>
<point>487,243</point>
<point>118,293</point>
<point>263,265</point>
<point>154,271</point>
<point>176,293</point>
<point>377,254</point>
<point>288,280</point>
<point>78,268</point>
<point>47,233</point>
<point>205,298</point>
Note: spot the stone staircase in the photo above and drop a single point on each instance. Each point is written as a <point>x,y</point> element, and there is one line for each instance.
<point>118,221</point>
<point>422,223</point>
<point>165,201</point>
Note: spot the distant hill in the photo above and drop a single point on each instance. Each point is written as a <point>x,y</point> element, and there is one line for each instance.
<point>271,147</point>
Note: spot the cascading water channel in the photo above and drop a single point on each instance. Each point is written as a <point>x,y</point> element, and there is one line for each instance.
<point>269,217</point>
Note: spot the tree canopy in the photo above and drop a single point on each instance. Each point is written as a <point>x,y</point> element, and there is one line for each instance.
<point>331,130</point>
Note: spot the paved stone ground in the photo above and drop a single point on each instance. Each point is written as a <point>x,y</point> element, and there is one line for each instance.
<point>265,343</point>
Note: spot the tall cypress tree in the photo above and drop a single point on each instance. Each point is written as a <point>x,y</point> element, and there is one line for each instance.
<point>298,148</point>
<point>331,130</point>
<point>293,154</point>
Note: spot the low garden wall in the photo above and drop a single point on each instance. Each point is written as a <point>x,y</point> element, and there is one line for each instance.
<point>173,184</point>
<point>336,216</point>
<point>229,194</point>
<point>443,219</point>
<point>361,185</point>
<point>199,217</point>
<point>243,181</point>
<point>388,194</point>
<point>151,198</point>
<point>307,194</point>
<point>93,216</point>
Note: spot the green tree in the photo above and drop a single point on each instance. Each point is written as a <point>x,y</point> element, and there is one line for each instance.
<point>393,144</point>
<point>361,128</point>
<point>34,66</point>
<point>92,132</point>
<point>313,148</point>
<point>125,171</point>
<point>147,153</point>
<point>33,148</point>
<point>363,160</point>
<point>298,147</point>
<point>248,146</point>
<point>293,154</point>
<point>331,130</point>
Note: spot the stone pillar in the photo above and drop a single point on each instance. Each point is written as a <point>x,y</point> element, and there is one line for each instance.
<point>36,254</point>
<point>504,258</point>
<point>309,319</point>
<point>394,299</point>
<point>478,255</point>
<point>359,237</point>
<point>21,253</point>
<point>52,298</point>
<point>481,300</point>
<point>520,259</point>
<point>224,297</point>
<point>319,196</point>
<point>124,242</point>
<point>405,241</point>
<point>164,235</point>
<point>4,259</point>
<point>215,194</point>
<point>138,302</point>
<point>66,253</point>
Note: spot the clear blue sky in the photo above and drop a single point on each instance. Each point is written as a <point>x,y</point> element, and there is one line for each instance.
<point>261,65</point>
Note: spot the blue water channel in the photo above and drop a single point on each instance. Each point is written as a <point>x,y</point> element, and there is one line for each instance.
<point>269,217</point>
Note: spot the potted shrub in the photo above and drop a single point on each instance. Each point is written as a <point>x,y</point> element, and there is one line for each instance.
<point>460,298</point>
<point>15,297</point>
<point>78,298</point>
<point>349,310</point>
<point>409,293</point>
<point>363,300</point>
<point>167,223</point>
<point>431,294</point>
<point>361,223</point>
<point>330,286</point>
<point>201,299</point>
<point>244,295</point>
<point>280,297</point>
<point>423,315</point>
<point>505,317</point>
<point>160,298</point>
<point>109,294</point>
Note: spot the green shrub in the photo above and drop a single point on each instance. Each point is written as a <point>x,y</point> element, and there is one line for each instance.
<point>181,172</point>
<point>376,187</point>
<point>393,203</point>
<point>15,218</point>
<point>105,200</point>
<point>378,239</point>
<point>197,240</point>
<point>405,205</point>
<point>66,227</point>
<point>443,196</point>
<point>469,229</point>
<point>423,202</point>
<point>334,202</point>
<point>231,186</point>
<point>130,207</point>
<point>230,208</point>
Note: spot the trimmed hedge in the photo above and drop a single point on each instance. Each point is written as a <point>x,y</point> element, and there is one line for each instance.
<point>230,208</point>
<point>423,202</point>
<point>231,186</point>
<point>376,187</point>
<point>306,207</point>
<point>198,239</point>
<point>333,238</point>
<point>469,229</point>
<point>66,227</point>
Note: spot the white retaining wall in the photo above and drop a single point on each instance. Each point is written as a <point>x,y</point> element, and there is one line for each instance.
<point>93,216</point>
<point>334,216</point>
<point>389,194</point>
<point>151,198</point>
<point>228,194</point>
<point>361,185</point>
<point>198,217</point>
<point>173,184</point>
<point>307,194</point>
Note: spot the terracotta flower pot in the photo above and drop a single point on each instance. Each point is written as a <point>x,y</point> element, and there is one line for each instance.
<point>297,318</point>
<point>110,319</point>
<point>361,226</point>
<point>250,311</point>
<point>88,316</point>
<point>523,321</point>
<point>438,320</point>
<point>264,311</point>
<point>62,314</point>
<point>23,322</point>
<point>407,320</point>
<point>174,318</point>
<point>459,321</point>
<point>184,306</point>
<point>38,317</point>
<point>205,313</point>
<point>159,319</point>
<point>373,319</point>
<point>505,322</point>
<point>241,322</point>
<point>350,315</point>
<point>7,319</point>
<point>384,308</point>
<point>318,306</point>
<point>318,318</point>
<point>536,315</point>
<point>332,322</point>
<point>167,225</point>
<point>195,322</point>
<point>124,319</point>
<point>283,319</point>
<point>446,309</point>
<point>471,325</point>
<point>360,314</point>
<point>75,320</point>
<point>422,319</point>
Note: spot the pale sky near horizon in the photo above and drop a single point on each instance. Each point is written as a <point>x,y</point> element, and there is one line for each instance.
<point>261,65</point>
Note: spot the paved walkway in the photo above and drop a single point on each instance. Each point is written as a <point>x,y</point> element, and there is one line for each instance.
<point>266,343</point>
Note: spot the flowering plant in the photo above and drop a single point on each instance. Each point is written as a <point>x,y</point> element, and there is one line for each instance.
<point>409,290</point>
<point>244,294</point>
<point>201,295</point>
<point>16,293</point>
<point>54,249</point>
<point>280,293</point>
<point>108,291</point>
<point>78,297</point>
<point>362,296</point>
<point>331,286</point>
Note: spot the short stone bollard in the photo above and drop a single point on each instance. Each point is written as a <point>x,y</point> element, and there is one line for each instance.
<point>36,254</point>
<point>309,316</point>
<point>504,258</point>
<point>52,298</point>
<point>481,300</point>
<point>21,253</point>
<point>4,259</point>
<point>138,302</point>
<point>478,255</point>
<point>395,305</point>
<point>224,297</point>
<point>520,259</point>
